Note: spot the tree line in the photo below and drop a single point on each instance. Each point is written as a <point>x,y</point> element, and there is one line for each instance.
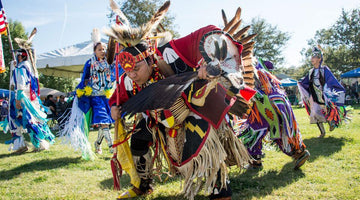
<point>340,42</point>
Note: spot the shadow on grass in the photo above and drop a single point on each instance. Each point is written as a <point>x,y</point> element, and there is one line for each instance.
<point>324,146</point>
<point>179,197</point>
<point>40,165</point>
<point>5,155</point>
<point>109,183</point>
<point>125,184</point>
<point>250,184</point>
<point>125,181</point>
<point>4,137</point>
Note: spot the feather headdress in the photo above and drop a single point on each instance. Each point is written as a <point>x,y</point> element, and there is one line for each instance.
<point>128,36</point>
<point>27,46</point>
<point>123,19</point>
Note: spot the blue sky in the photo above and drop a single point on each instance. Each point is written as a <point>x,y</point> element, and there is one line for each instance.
<point>62,23</point>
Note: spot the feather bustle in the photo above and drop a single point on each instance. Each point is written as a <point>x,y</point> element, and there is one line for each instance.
<point>224,17</point>
<point>249,45</point>
<point>240,33</point>
<point>235,27</point>
<point>233,20</point>
<point>247,38</point>
<point>246,53</point>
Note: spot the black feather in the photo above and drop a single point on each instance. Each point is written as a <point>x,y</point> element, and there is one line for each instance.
<point>159,95</point>
<point>217,50</point>
<point>223,50</point>
<point>224,17</point>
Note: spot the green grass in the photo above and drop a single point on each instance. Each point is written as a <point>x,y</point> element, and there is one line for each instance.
<point>332,172</point>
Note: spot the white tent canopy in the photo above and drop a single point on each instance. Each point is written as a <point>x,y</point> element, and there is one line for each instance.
<point>287,82</point>
<point>47,91</point>
<point>66,62</point>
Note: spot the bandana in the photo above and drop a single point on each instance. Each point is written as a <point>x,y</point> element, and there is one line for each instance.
<point>316,52</point>
<point>21,53</point>
<point>128,61</point>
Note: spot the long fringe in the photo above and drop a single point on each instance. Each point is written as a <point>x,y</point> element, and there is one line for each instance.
<point>204,167</point>
<point>36,121</point>
<point>74,133</point>
<point>202,170</point>
<point>237,153</point>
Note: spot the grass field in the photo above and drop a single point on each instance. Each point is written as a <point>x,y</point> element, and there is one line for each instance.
<point>332,171</point>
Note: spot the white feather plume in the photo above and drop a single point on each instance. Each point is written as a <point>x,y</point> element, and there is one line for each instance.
<point>95,36</point>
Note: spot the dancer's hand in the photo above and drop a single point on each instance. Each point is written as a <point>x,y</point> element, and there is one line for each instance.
<point>202,72</point>
<point>18,104</point>
<point>115,112</point>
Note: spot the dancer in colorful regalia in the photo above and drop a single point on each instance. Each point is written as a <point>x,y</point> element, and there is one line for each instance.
<point>271,113</point>
<point>91,103</point>
<point>27,114</point>
<point>175,111</point>
<point>322,94</point>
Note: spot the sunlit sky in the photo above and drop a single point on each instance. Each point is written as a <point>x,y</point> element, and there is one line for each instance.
<point>62,23</point>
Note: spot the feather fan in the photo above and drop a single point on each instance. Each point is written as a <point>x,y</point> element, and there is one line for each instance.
<point>32,34</point>
<point>168,89</point>
<point>110,51</point>
<point>26,44</point>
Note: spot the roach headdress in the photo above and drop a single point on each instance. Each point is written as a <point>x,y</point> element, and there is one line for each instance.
<point>134,39</point>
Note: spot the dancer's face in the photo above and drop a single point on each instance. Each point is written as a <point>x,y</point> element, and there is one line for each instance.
<point>141,72</point>
<point>315,61</point>
<point>100,51</point>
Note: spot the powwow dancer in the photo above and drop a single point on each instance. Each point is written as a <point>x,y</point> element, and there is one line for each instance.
<point>27,113</point>
<point>322,94</point>
<point>172,114</point>
<point>271,113</point>
<point>91,102</point>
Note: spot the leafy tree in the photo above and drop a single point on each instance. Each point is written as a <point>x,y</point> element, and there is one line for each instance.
<point>139,12</point>
<point>17,30</point>
<point>293,71</point>
<point>340,43</point>
<point>59,83</point>
<point>270,41</point>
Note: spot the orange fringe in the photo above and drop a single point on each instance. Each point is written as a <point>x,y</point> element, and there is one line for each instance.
<point>254,114</point>
<point>333,114</point>
<point>264,82</point>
